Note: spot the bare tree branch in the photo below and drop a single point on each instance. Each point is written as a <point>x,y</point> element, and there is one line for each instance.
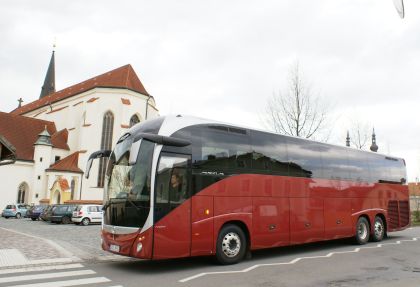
<point>298,111</point>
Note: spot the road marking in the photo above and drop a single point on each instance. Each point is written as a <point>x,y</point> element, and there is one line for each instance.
<point>45,276</point>
<point>41,268</point>
<point>293,261</point>
<point>66,283</point>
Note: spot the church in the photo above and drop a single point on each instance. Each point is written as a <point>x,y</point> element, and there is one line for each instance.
<point>47,142</point>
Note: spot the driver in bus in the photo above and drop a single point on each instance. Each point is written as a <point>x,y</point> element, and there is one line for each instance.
<point>176,193</point>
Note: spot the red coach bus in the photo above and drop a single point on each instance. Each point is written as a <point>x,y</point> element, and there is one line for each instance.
<point>183,186</point>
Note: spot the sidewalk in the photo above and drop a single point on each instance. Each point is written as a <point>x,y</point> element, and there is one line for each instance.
<point>18,250</point>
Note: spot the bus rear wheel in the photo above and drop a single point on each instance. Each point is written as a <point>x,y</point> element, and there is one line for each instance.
<point>231,245</point>
<point>378,229</point>
<point>362,231</point>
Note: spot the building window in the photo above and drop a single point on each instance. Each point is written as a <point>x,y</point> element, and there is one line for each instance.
<point>40,159</point>
<point>72,186</point>
<point>106,143</point>
<point>57,158</point>
<point>39,177</point>
<point>21,193</point>
<point>134,120</point>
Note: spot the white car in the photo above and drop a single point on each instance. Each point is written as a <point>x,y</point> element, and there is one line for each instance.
<point>86,214</point>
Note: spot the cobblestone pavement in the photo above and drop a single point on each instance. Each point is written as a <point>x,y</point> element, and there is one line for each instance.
<point>83,242</point>
<point>30,247</point>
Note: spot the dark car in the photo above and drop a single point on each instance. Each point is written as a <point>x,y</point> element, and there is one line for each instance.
<point>62,213</point>
<point>35,211</point>
<point>46,214</point>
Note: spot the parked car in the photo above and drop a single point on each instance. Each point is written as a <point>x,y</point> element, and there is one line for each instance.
<point>15,210</point>
<point>62,213</point>
<point>35,211</point>
<point>46,214</point>
<point>86,214</point>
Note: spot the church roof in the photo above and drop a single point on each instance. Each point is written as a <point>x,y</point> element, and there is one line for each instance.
<point>123,77</point>
<point>69,164</point>
<point>49,83</point>
<point>22,132</point>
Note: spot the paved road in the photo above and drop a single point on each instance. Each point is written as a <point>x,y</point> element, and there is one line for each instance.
<point>394,262</point>
<point>332,264</point>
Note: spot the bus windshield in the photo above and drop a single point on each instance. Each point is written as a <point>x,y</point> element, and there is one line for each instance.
<point>128,185</point>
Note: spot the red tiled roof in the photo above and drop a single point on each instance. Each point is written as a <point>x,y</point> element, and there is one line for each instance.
<point>69,163</point>
<point>59,139</point>
<point>22,132</point>
<point>123,77</point>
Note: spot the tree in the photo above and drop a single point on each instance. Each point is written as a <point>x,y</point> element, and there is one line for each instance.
<point>298,111</point>
<point>359,134</point>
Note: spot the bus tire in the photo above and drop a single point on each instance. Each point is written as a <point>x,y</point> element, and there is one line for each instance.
<point>378,229</point>
<point>362,231</point>
<point>231,245</point>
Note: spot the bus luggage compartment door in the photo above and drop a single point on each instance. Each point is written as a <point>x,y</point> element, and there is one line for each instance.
<point>172,217</point>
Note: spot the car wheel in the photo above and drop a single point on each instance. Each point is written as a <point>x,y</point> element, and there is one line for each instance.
<point>18,215</point>
<point>378,229</point>
<point>362,231</point>
<point>7,217</point>
<point>33,219</point>
<point>66,220</point>
<point>85,221</point>
<point>231,245</point>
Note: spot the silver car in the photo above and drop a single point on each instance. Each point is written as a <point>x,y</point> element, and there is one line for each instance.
<point>15,210</point>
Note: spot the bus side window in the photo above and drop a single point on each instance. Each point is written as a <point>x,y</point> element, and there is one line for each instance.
<point>269,153</point>
<point>304,158</point>
<point>358,166</point>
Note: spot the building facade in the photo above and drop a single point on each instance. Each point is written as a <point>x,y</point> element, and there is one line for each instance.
<point>64,128</point>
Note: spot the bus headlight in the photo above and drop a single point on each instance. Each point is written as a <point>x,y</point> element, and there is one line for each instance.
<point>139,247</point>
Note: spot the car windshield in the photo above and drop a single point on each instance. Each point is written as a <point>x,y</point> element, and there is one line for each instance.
<point>10,206</point>
<point>128,185</point>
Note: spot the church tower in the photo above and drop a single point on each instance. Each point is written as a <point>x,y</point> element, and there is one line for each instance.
<point>49,83</point>
<point>374,146</point>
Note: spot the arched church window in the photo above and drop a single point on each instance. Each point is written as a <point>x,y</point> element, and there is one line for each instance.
<point>21,193</point>
<point>72,186</point>
<point>106,143</point>
<point>134,120</point>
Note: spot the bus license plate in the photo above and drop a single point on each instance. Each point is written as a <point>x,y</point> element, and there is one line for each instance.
<point>114,248</point>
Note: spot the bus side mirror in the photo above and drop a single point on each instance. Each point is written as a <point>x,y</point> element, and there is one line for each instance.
<point>95,155</point>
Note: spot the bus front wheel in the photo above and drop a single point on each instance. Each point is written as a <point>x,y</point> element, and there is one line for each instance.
<point>231,245</point>
<point>362,231</point>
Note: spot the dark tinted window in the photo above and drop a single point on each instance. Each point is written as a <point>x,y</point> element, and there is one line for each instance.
<point>335,162</point>
<point>269,153</point>
<point>220,148</point>
<point>358,165</point>
<point>304,158</point>
<point>385,169</point>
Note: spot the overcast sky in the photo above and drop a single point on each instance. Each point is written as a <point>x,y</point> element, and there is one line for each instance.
<point>224,59</point>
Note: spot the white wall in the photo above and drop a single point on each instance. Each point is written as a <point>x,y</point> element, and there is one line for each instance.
<point>84,122</point>
<point>11,176</point>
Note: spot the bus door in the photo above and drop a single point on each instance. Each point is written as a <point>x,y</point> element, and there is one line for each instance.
<point>172,214</point>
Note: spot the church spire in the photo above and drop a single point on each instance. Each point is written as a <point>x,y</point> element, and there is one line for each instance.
<point>348,139</point>
<point>49,82</point>
<point>374,146</point>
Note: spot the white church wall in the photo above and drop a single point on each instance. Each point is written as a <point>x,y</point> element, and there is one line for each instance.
<point>83,116</point>
<point>12,176</point>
